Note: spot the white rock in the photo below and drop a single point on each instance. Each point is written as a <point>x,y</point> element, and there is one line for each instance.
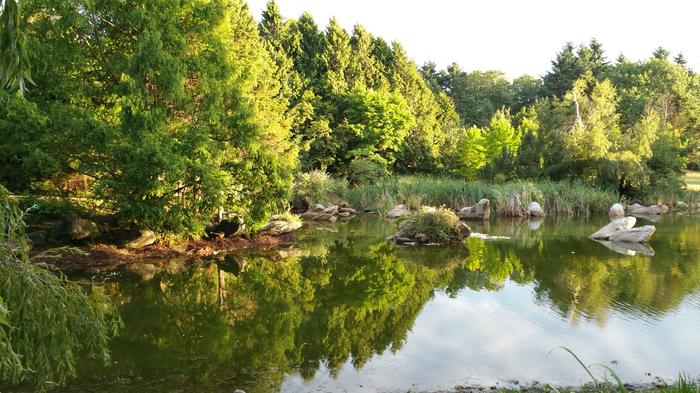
<point>617,210</point>
<point>634,235</point>
<point>482,210</point>
<point>535,210</point>
<point>621,224</point>
<point>398,211</point>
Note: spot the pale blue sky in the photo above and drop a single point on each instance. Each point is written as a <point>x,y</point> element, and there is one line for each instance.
<point>516,36</point>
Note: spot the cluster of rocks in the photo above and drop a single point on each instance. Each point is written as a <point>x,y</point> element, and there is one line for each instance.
<point>622,230</point>
<point>618,210</point>
<point>329,213</point>
<point>515,208</point>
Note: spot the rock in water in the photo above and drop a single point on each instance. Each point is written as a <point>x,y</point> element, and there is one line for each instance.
<point>616,211</point>
<point>680,205</point>
<point>631,249</point>
<point>482,210</point>
<point>634,235</point>
<point>310,216</point>
<point>276,228</point>
<point>76,228</point>
<point>144,238</point>
<point>515,208</point>
<point>535,210</point>
<point>621,224</point>
<point>398,211</point>
<point>644,210</point>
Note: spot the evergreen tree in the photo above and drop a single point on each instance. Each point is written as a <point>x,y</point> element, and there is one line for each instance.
<point>565,70</point>
<point>336,56</point>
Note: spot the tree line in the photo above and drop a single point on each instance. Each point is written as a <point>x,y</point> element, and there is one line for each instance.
<point>162,112</point>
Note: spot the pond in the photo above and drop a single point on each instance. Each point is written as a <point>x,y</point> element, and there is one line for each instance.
<point>343,310</point>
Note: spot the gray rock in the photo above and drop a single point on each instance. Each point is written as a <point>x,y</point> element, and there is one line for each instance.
<point>616,211</point>
<point>76,228</point>
<point>331,210</point>
<point>535,210</point>
<point>319,208</point>
<point>344,214</point>
<point>326,217</point>
<point>634,235</point>
<point>638,209</point>
<point>680,205</point>
<point>347,210</point>
<point>144,238</point>
<point>309,216</point>
<point>38,238</point>
<point>621,224</point>
<point>398,211</point>
<point>482,210</point>
<point>515,207</point>
<point>276,228</point>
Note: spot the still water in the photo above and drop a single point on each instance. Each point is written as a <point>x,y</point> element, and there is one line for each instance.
<point>343,310</point>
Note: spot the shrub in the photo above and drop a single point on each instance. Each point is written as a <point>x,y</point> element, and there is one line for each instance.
<point>318,187</point>
<point>367,170</point>
<point>439,224</point>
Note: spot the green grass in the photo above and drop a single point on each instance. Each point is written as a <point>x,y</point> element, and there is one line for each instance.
<point>562,198</point>
<point>692,179</point>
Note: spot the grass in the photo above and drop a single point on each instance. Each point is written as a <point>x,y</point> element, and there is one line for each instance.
<point>562,198</point>
<point>692,179</point>
<point>440,225</point>
<point>683,384</point>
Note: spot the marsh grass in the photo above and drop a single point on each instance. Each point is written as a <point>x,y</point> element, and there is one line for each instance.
<point>560,198</point>
<point>440,225</point>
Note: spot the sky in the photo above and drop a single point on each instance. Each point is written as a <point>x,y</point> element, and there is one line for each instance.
<point>515,36</point>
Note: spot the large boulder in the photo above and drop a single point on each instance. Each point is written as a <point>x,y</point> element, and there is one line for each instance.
<point>482,211</point>
<point>653,210</point>
<point>680,205</point>
<point>142,239</point>
<point>616,211</point>
<point>333,210</point>
<point>634,235</point>
<point>398,211</point>
<point>535,210</point>
<point>622,230</point>
<point>280,227</point>
<point>515,207</point>
<point>621,224</point>
<point>76,228</point>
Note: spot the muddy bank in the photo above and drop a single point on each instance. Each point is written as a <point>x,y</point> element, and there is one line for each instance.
<point>102,255</point>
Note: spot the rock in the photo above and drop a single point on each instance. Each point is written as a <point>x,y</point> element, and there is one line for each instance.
<point>535,210</point>
<point>276,228</point>
<point>309,216</point>
<point>422,238</point>
<point>344,214</point>
<point>326,217</point>
<point>319,208</point>
<point>482,210</point>
<point>231,226</point>
<point>515,208</point>
<point>464,230</point>
<point>398,211</point>
<point>344,205</point>
<point>76,228</point>
<point>333,210</point>
<point>634,235</point>
<point>347,210</point>
<point>638,209</point>
<point>616,211</point>
<point>621,224</point>
<point>144,238</point>
<point>680,205</point>
<point>38,238</point>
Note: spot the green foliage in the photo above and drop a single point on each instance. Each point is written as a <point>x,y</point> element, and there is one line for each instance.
<point>14,63</point>
<point>319,187</point>
<point>367,170</point>
<point>439,224</point>
<point>46,321</point>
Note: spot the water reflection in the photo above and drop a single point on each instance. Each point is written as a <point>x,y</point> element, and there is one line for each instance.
<point>341,299</point>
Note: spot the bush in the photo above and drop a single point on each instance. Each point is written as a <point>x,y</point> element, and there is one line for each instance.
<point>367,170</point>
<point>318,187</point>
<point>439,224</point>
